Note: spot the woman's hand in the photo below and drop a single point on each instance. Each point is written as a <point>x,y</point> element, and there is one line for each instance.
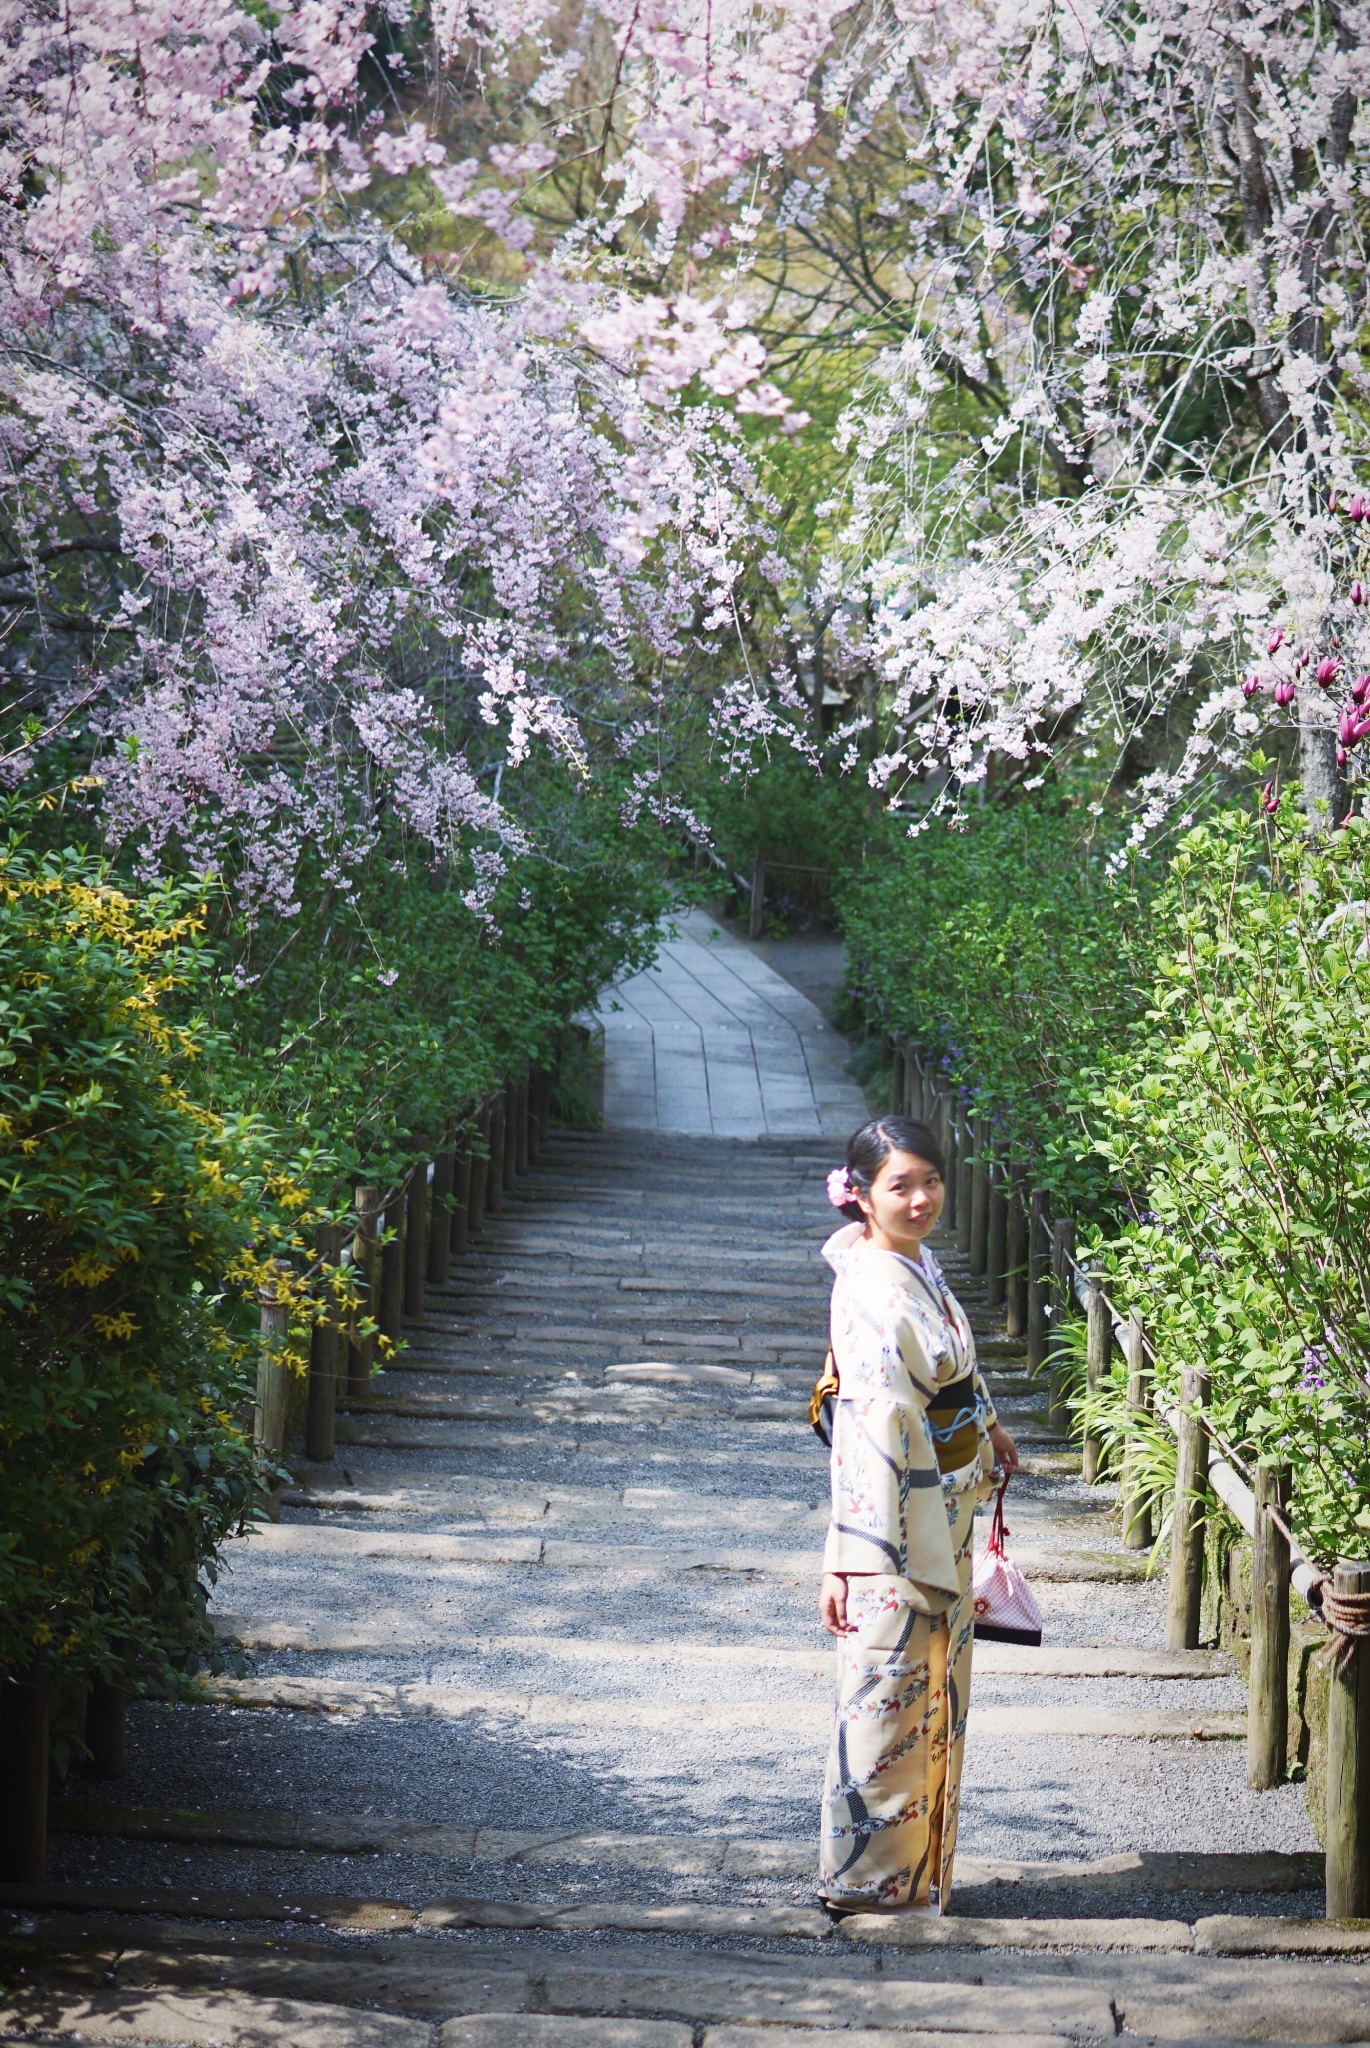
<point>832,1605</point>
<point>1005,1451</point>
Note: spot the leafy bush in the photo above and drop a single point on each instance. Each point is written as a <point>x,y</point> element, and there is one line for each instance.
<point>1247,1121</point>
<point>1008,951</point>
<point>124,1205</point>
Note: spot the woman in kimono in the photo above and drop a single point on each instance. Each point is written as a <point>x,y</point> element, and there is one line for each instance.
<point>915,1446</point>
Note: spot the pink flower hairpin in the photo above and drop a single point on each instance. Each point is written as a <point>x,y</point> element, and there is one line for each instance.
<point>840,1189</point>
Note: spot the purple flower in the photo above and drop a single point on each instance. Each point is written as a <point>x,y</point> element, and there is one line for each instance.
<point>1284,693</point>
<point>1314,1368</point>
<point>1275,642</point>
<point>1252,687</point>
<point>1357,592</point>
<point>1327,671</point>
<point>1360,689</point>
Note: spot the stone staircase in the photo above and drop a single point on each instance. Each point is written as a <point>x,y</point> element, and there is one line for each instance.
<point>529,1739</point>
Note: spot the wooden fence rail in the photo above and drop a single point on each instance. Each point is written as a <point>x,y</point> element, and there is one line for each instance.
<point>1012,1240</point>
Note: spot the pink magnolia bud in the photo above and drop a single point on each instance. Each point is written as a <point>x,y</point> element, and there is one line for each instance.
<point>1269,800</point>
<point>1346,729</point>
<point>1356,509</point>
<point>1275,642</point>
<point>1284,693</point>
<point>1342,757</point>
<point>1360,689</point>
<point>1359,731</point>
<point>1303,659</point>
<point>1252,687</point>
<point>1331,501</point>
<point>1357,592</point>
<point>1328,669</point>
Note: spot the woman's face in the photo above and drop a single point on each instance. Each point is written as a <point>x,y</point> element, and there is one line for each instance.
<point>905,1200</point>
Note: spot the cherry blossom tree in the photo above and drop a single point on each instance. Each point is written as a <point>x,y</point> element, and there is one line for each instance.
<point>291,509</point>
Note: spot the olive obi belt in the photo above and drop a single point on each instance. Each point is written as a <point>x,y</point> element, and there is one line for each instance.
<point>954,1419</point>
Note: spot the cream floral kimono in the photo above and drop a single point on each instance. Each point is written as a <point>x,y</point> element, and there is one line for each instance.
<point>894,1770</point>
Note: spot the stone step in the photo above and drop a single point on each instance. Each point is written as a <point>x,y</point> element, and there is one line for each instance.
<point>868,1996</point>
<point>327,1541</point>
<point>707,1718</point>
<point>404,1628</point>
<point>698,1855</point>
<point>1219,1934</point>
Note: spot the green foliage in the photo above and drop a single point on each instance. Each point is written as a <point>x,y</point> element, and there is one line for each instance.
<point>1181,1062</point>
<point>377,1017</point>
<point>1247,1121</point>
<point>123,1205</point>
<point>1016,959</point>
<point>183,1101</point>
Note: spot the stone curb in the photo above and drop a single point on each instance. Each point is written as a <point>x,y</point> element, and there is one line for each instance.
<point>953,1932</point>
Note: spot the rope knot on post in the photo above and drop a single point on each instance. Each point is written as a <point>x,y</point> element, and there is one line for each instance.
<point>1347,1615</point>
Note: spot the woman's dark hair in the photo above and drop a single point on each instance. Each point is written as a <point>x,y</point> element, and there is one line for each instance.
<point>871,1146</point>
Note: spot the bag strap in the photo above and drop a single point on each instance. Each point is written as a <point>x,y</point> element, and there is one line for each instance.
<point>994,1542</point>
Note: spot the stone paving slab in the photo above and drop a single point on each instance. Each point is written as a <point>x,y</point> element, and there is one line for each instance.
<point>710,1040</point>
<point>215,2019</point>
<point>556,2030</point>
<point>1142,1935</point>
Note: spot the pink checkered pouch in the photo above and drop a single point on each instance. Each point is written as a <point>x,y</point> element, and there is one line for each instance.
<point>1005,1611</point>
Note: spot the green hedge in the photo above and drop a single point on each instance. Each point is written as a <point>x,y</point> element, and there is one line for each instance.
<point>1008,951</point>
<point>184,1100</point>
<point>1181,1061</point>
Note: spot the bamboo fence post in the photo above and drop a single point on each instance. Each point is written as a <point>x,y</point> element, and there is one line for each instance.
<point>415,1240</point>
<point>1188,1516</point>
<point>1348,1763</point>
<point>1016,1261</point>
<point>1136,1508</point>
<point>494,1172</point>
<point>461,1199</point>
<point>321,1412</point>
<point>756,914</point>
<point>107,1728</point>
<point>1098,1349</point>
<point>480,1170</point>
<point>980,1192</point>
<point>1038,1279</point>
<point>268,1418</point>
<point>897,1078</point>
<point>1267,1713</point>
<point>965,1177</point>
<point>390,1305</point>
<point>25,1706</point>
<point>996,1262</point>
<point>544,1105</point>
<point>521,1124</point>
<point>1062,1267</point>
<point>441,1214</point>
<point>951,1212</point>
<point>537,1135</point>
<point>361,1351</point>
<point>510,1121</point>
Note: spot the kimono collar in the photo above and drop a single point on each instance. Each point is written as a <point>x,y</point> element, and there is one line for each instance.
<point>846,1244</point>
